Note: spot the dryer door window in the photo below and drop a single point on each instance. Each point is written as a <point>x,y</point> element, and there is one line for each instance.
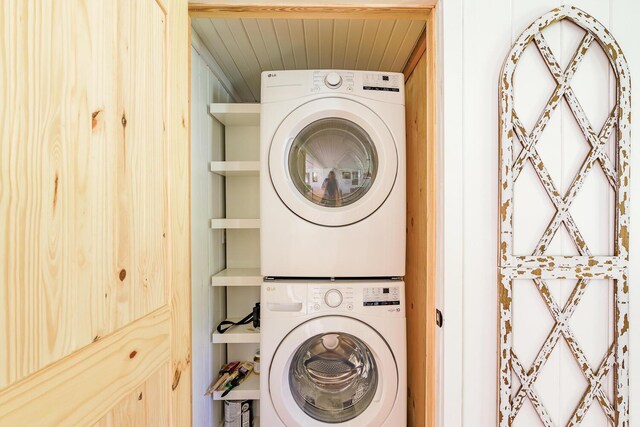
<point>333,162</point>
<point>333,377</point>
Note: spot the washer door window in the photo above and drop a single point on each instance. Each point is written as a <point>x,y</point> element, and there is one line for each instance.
<point>347,376</point>
<point>333,377</point>
<point>333,161</point>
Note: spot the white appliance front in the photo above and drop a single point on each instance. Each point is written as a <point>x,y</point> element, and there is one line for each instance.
<point>332,176</point>
<point>333,354</point>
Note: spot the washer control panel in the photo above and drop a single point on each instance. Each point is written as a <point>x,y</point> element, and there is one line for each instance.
<point>381,295</point>
<point>356,297</point>
<point>327,297</point>
<point>282,299</point>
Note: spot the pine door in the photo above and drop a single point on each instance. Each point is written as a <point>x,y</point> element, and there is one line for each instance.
<point>94,217</point>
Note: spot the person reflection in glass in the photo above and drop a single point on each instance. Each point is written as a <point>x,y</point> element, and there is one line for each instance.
<point>332,194</point>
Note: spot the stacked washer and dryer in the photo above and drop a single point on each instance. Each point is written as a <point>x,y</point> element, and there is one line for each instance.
<point>333,203</point>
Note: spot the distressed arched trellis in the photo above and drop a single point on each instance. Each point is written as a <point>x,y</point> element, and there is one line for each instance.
<point>539,266</point>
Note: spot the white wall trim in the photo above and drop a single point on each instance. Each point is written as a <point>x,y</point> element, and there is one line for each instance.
<point>199,46</point>
<point>451,208</point>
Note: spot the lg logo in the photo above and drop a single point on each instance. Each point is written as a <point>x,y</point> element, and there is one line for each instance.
<point>271,75</point>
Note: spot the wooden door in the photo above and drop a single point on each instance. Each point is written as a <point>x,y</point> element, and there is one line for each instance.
<point>94,217</point>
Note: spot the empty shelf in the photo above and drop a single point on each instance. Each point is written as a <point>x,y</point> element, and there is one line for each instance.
<point>237,277</point>
<point>235,223</point>
<point>236,114</point>
<point>248,389</point>
<point>235,168</point>
<point>240,334</point>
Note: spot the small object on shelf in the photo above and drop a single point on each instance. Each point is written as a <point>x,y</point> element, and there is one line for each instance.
<point>240,334</point>
<point>253,317</point>
<point>238,413</point>
<point>237,377</point>
<point>223,375</point>
<point>249,389</point>
<point>236,382</point>
<point>256,362</point>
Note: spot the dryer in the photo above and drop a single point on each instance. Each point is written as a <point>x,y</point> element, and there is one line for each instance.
<point>332,180</point>
<point>333,354</point>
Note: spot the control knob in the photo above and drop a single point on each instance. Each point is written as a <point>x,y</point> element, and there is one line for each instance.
<point>333,80</point>
<point>333,298</point>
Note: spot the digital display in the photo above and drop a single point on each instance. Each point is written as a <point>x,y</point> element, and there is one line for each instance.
<point>377,303</point>
<point>385,78</point>
<point>385,290</point>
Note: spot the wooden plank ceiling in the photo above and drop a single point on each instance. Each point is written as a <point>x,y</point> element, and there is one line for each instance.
<point>243,48</point>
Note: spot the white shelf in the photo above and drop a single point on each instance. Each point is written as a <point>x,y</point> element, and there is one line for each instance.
<point>239,334</point>
<point>237,277</point>
<point>236,114</point>
<point>249,389</point>
<point>235,168</point>
<point>235,223</point>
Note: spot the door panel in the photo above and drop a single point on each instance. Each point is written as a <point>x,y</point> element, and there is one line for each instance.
<point>144,406</point>
<point>93,238</point>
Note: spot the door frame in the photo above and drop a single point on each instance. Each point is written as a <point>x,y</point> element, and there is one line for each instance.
<point>431,372</point>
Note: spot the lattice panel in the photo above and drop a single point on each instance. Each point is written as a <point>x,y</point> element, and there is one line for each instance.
<point>540,267</point>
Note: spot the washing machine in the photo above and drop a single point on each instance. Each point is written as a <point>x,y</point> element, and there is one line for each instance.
<point>332,178</point>
<point>333,354</point>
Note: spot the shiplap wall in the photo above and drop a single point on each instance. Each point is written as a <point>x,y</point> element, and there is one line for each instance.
<point>474,41</point>
<point>207,254</point>
<point>245,47</point>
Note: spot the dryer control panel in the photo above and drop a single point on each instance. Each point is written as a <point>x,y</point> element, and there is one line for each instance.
<point>332,80</point>
<point>283,85</point>
<point>381,82</point>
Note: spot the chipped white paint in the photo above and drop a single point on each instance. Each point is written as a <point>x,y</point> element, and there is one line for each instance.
<point>584,267</point>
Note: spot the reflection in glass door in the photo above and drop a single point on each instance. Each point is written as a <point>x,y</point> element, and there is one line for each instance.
<point>333,162</point>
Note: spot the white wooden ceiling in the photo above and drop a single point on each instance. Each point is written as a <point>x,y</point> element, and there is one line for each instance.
<point>243,48</point>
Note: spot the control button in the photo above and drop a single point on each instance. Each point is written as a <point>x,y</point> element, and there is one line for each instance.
<point>349,306</point>
<point>316,307</point>
<point>333,80</point>
<point>333,298</point>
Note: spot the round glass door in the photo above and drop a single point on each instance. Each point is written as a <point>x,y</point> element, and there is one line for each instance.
<point>333,377</point>
<point>333,162</point>
<point>346,377</point>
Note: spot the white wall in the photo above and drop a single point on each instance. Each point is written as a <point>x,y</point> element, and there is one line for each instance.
<point>475,38</point>
<point>207,250</point>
